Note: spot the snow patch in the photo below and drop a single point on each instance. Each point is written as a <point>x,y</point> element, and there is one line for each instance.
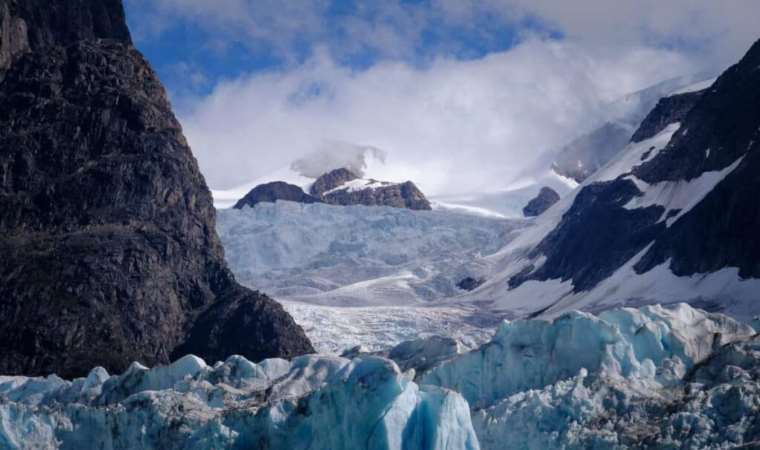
<point>679,195</point>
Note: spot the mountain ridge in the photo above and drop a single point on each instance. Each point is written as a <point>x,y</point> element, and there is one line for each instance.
<point>109,248</point>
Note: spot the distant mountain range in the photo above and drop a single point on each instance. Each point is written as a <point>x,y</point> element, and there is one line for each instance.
<point>340,187</point>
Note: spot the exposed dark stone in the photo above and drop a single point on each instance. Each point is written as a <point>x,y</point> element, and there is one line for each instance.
<point>595,237</point>
<point>397,195</point>
<point>668,110</point>
<point>470,283</point>
<point>722,229</point>
<point>543,201</point>
<point>29,25</point>
<point>271,192</point>
<point>585,155</point>
<point>107,228</point>
<point>331,180</point>
<point>403,195</point>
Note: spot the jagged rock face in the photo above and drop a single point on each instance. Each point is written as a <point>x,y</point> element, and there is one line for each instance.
<point>543,201</point>
<point>668,110</point>
<point>612,221</point>
<point>271,192</point>
<point>33,24</point>
<point>106,224</point>
<point>331,180</point>
<point>404,195</point>
<point>334,188</point>
<point>721,130</point>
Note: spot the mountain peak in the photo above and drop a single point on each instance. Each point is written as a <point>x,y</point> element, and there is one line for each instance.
<point>332,180</point>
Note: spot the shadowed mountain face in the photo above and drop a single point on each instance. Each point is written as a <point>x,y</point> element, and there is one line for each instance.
<point>271,192</point>
<point>662,208</point>
<point>109,253</point>
<point>544,200</point>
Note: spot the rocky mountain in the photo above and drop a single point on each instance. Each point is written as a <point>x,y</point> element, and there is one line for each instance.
<point>592,150</point>
<point>544,200</point>
<point>672,218</point>
<point>342,187</point>
<point>276,190</point>
<point>107,229</point>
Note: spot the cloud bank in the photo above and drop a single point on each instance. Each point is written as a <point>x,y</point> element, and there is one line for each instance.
<point>462,95</point>
<point>453,126</point>
<point>338,155</point>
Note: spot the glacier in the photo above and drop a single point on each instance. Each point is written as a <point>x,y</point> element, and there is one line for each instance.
<point>312,402</point>
<point>662,377</point>
<point>356,255</point>
<point>657,376</point>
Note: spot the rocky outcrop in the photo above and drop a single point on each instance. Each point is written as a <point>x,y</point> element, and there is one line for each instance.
<point>109,253</point>
<point>543,201</point>
<point>331,180</point>
<point>668,110</point>
<point>470,283</point>
<point>343,187</point>
<point>403,195</point>
<point>271,192</point>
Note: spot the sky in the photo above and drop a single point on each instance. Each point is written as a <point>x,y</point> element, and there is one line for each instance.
<point>456,95</point>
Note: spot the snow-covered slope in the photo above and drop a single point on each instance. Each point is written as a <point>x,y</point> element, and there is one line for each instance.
<point>673,217</point>
<point>592,150</point>
<point>356,255</point>
<point>312,402</point>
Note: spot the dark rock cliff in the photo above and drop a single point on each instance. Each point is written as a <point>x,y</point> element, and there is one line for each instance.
<point>331,180</point>
<point>668,110</point>
<point>397,195</point>
<point>543,201</point>
<point>271,192</point>
<point>109,253</point>
<point>719,127</point>
<point>328,189</point>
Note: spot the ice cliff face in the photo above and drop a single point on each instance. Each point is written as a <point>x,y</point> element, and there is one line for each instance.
<point>652,377</point>
<point>313,402</point>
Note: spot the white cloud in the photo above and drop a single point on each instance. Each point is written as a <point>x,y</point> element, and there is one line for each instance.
<point>453,126</point>
<point>450,125</point>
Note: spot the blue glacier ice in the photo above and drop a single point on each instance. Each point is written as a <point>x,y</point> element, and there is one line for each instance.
<point>313,402</point>
<point>655,377</point>
<point>659,377</point>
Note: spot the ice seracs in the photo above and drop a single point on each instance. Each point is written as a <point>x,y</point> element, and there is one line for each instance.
<point>313,402</point>
<point>673,377</point>
<point>652,376</point>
